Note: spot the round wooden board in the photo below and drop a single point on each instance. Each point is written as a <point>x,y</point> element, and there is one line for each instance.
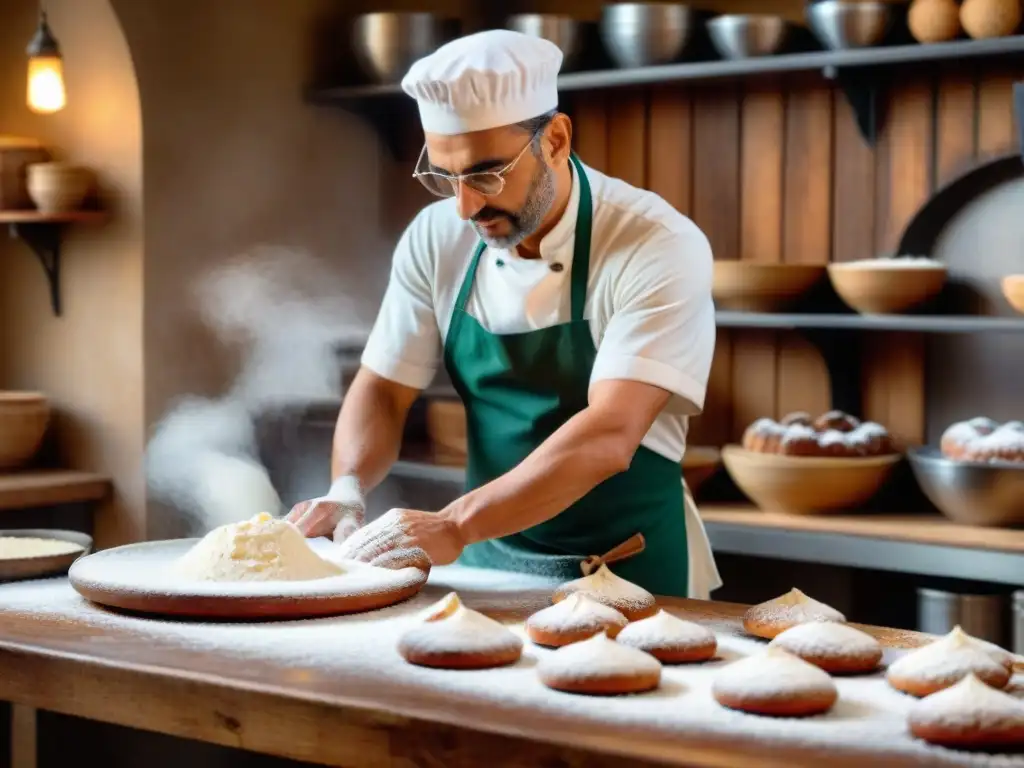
<point>135,578</point>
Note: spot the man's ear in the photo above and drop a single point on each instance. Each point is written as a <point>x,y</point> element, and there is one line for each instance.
<point>559,135</point>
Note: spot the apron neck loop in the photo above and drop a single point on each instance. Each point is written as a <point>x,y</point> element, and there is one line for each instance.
<point>630,547</point>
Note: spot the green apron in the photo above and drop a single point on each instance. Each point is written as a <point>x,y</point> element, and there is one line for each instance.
<point>518,389</point>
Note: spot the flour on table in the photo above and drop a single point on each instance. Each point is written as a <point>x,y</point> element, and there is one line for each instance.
<point>18,547</point>
<point>263,548</point>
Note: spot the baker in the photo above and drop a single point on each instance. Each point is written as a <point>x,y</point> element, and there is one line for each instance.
<point>573,313</point>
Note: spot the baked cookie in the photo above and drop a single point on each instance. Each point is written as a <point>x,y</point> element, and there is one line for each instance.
<point>452,636</point>
<point>575,618</point>
<point>669,639</point>
<point>605,587</point>
<point>969,715</point>
<point>837,420</point>
<point>837,648</point>
<point>770,618</point>
<point>599,666</point>
<point>945,662</point>
<point>775,682</point>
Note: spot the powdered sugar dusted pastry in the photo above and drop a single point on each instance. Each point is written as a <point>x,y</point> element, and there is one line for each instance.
<point>605,587</point>
<point>452,636</point>
<point>575,618</point>
<point>969,714</point>
<point>599,665</point>
<point>775,682</point>
<point>670,639</point>
<point>837,648</point>
<point>775,616</point>
<point>945,662</point>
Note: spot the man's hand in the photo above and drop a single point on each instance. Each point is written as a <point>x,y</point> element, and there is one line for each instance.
<point>340,512</point>
<point>404,537</point>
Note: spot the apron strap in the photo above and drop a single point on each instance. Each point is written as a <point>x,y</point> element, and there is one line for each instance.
<point>467,284</point>
<point>634,545</point>
<point>581,248</point>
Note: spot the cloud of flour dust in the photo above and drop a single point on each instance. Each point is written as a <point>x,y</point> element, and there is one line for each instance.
<point>286,313</point>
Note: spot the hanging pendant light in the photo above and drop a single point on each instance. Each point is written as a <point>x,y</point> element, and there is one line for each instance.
<point>46,93</point>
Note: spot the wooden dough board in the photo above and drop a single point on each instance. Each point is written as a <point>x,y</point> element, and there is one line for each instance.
<point>134,578</point>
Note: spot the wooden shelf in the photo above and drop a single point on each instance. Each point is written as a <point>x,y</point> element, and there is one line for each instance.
<point>38,217</point>
<point>855,322</point>
<point>46,487</point>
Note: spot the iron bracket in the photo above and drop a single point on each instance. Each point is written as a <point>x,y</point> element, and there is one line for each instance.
<point>43,238</point>
<point>863,90</point>
<point>842,351</point>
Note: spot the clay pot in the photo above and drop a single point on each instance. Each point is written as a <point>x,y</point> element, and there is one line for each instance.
<point>24,417</point>
<point>58,187</point>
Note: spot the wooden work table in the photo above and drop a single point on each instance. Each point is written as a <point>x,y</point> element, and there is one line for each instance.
<point>265,688</point>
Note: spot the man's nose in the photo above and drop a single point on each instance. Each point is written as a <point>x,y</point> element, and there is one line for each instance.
<point>469,201</point>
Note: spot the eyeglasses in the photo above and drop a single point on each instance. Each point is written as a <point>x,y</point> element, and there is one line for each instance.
<point>487,183</point>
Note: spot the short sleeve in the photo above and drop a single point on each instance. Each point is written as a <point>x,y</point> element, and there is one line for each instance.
<point>662,329</point>
<point>405,343</point>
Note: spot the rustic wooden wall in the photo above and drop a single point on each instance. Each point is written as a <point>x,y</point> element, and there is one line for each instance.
<point>774,170</point>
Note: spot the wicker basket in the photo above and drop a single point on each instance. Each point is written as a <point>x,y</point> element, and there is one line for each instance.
<point>24,417</point>
<point>446,428</point>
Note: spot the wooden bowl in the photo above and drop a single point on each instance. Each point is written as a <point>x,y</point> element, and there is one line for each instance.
<point>24,417</point>
<point>446,428</point>
<point>886,290</point>
<point>1013,290</point>
<point>807,485</point>
<point>751,287</point>
<point>700,463</point>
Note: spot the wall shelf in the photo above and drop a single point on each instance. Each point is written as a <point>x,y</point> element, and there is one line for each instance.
<point>861,73</point>
<point>43,233</point>
<point>855,322</point>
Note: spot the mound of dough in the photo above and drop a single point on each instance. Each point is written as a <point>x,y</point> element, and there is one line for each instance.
<point>262,548</point>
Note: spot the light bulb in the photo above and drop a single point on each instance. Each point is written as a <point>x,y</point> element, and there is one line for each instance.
<point>46,93</point>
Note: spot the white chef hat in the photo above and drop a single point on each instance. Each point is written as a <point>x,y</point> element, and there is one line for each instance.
<point>485,80</point>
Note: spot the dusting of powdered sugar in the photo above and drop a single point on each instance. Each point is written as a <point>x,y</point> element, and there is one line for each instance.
<point>448,626</point>
<point>358,655</point>
<point>612,590</point>
<point>576,613</point>
<point>665,631</point>
<point>899,262</point>
<point>772,674</point>
<point>596,657</point>
<point>829,639</point>
<point>969,705</point>
<point>793,607</point>
<point>947,660</point>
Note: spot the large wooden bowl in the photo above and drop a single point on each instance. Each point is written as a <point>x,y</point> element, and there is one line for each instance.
<point>1013,290</point>
<point>24,417</point>
<point>700,463</point>
<point>751,287</point>
<point>886,290</point>
<point>807,485</point>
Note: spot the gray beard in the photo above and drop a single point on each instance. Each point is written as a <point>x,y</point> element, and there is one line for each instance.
<point>529,218</point>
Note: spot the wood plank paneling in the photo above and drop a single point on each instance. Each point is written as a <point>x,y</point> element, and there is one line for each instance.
<point>996,126</point>
<point>627,138</point>
<point>590,129</point>
<point>955,122</point>
<point>670,147</point>
<point>853,196</point>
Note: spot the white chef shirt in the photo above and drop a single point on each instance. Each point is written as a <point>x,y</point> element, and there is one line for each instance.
<point>648,301</point>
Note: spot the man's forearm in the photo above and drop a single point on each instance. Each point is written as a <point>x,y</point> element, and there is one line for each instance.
<point>368,435</point>
<point>581,454</point>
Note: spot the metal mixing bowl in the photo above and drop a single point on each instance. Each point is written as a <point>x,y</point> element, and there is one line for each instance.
<point>563,31</point>
<point>971,493</point>
<point>743,35</point>
<point>842,24</point>
<point>645,34</point>
<point>387,44</point>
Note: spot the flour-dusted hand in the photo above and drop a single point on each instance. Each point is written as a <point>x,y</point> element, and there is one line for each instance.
<point>340,512</point>
<point>406,537</point>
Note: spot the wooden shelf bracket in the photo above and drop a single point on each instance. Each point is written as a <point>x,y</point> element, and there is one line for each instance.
<point>863,90</point>
<point>43,238</point>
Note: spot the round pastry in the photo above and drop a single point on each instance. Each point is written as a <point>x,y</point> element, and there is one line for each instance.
<point>832,442</point>
<point>797,417</point>
<point>870,439</point>
<point>599,666</point>
<point>763,436</point>
<point>958,436</point>
<point>1011,661</point>
<point>837,420</point>
<point>452,636</point>
<point>1004,444</point>
<point>669,639</point>
<point>575,618</point>
<point>775,682</point>
<point>775,616</point>
<point>799,440</point>
<point>837,648</point>
<point>944,662</point>
<point>969,715</point>
<point>605,587</point>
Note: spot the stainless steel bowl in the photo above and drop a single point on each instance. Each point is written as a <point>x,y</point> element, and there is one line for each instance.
<point>969,492</point>
<point>842,24</point>
<point>645,34</point>
<point>742,35</point>
<point>563,31</point>
<point>387,44</point>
